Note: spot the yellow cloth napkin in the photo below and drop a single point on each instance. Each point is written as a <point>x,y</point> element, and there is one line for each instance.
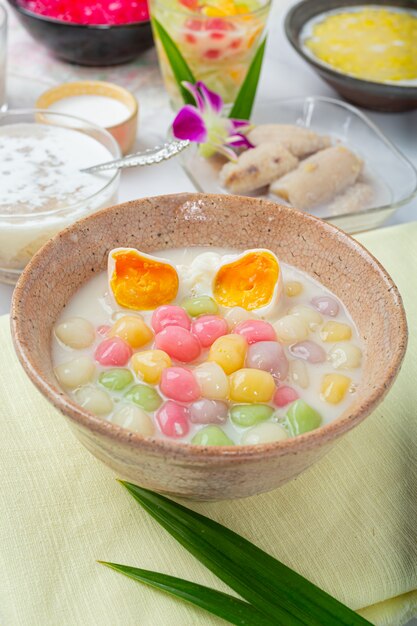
<point>348,523</point>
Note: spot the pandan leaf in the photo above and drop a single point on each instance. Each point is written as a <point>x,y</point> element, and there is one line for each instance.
<point>245,99</point>
<point>269,585</point>
<point>179,65</point>
<point>231,609</point>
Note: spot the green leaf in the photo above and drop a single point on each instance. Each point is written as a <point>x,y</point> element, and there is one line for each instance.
<point>231,609</point>
<point>265,582</point>
<point>181,524</point>
<point>178,64</point>
<point>243,105</point>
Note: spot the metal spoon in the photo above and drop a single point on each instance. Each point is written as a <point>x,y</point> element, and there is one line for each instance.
<point>147,157</point>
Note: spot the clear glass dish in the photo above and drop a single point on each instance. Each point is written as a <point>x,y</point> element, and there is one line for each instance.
<point>28,219</point>
<point>392,175</point>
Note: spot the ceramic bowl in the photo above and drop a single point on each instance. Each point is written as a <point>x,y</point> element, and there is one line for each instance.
<point>365,93</point>
<point>209,473</point>
<point>86,44</point>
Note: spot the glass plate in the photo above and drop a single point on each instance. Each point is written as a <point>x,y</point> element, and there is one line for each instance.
<point>392,175</point>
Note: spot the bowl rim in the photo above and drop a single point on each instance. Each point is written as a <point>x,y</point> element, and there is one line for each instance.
<point>328,432</point>
<point>51,20</point>
<point>353,81</point>
<point>178,10</point>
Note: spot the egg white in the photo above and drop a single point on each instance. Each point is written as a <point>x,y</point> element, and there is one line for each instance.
<point>197,279</point>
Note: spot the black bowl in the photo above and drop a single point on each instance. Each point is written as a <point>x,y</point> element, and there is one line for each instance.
<point>371,95</point>
<point>85,44</point>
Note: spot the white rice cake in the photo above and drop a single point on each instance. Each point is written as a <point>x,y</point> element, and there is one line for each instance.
<point>319,178</point>
<point>301,142</point>
<point>257,167</point>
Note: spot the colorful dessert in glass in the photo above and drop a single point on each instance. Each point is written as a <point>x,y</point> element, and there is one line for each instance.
<point>217,39</point>
<point>207,346</point>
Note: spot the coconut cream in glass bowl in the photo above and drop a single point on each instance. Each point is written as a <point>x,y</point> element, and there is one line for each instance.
<point>42,187</point>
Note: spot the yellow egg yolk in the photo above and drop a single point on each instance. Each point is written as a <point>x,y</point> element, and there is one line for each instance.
<point>248,282</point>
<point>142,283</point>
<point>376,44</point>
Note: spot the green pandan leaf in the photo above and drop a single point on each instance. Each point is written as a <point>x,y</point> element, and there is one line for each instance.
<point>179,65</point>
<point>245,99</point>
<point>229,608</point>
<point>270,586</point>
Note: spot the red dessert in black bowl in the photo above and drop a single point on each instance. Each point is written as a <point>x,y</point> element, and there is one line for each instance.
<point>68,31</point>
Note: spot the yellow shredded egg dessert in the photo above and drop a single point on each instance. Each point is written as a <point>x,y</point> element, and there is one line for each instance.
<point>376,44</point>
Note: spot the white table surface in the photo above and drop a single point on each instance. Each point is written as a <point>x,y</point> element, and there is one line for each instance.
<point>284,75</point>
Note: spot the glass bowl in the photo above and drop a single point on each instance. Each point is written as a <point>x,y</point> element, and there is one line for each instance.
<point>28,220</point>
<point>393,176</point>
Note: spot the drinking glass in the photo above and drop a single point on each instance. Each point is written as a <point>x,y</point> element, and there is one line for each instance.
<point>217,47</point>
<point>3,45</point>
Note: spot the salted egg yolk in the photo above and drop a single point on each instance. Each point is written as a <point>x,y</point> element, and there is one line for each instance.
<point>249,282</point>
<point>140,281</point>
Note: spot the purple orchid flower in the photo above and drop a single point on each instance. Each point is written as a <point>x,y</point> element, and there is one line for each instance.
<point>205,125</point>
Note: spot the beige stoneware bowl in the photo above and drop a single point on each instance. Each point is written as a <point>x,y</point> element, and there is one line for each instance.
<point>318,248</point>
